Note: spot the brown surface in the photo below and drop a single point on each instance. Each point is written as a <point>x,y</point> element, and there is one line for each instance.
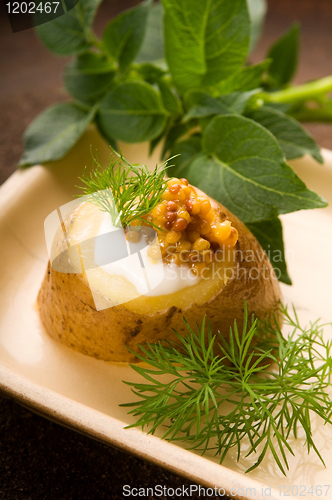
<point>38,459</point>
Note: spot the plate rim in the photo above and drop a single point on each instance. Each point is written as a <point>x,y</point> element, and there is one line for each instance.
<point>93,423</point>
<point>105,428</point>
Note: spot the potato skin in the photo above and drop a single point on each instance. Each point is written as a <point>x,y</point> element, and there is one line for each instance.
<point>67,308</point>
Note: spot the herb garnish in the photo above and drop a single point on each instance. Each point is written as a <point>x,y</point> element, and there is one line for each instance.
<point>127,192</point>
<point>266,395</point>
<point>163,71</point>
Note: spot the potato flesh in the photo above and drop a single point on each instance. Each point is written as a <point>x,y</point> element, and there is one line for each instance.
<point>69,315</point>
<point>84,223</point>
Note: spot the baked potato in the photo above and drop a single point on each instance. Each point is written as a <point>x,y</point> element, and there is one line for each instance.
<point>194,232</point>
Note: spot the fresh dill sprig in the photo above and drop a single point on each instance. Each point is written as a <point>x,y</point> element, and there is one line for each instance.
<point>127,192</point>
<point>263,395</point>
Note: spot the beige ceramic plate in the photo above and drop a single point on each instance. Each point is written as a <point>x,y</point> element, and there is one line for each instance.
<point>84,393</point>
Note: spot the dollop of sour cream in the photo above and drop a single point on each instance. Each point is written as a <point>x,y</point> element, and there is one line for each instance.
<point>153,278</point>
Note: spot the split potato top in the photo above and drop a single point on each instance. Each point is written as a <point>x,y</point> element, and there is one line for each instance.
<point>193,232</point>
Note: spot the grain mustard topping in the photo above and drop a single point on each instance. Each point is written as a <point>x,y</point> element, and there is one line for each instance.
<point>190,231</point>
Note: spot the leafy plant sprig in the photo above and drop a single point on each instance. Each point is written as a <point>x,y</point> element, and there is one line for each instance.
<point>177,73</point>
<point>262,398</point>
<point>127,192</point>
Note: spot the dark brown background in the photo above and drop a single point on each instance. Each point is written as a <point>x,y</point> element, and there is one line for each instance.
<point>39,459</point>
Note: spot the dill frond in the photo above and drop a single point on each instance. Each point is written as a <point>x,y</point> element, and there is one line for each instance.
<point>127,192</point>
<point>266,394</point>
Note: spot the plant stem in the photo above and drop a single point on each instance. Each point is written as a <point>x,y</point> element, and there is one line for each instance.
<point>303,92</point>
<point>313,115</point>
<point>98,44</point>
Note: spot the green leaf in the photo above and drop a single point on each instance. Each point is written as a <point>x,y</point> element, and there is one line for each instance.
<point>132,112</point>
<point>54,133</point>
<point>185,152</point>
<point>257,10</point>
<point>243,167</point>
<point>110,140</point>
<point>246,78</point>
<point>269,234</point>
<point>123,36</point>
<point>70,33</point>
<point>157,140</point>
<point>154,74</point>
<point>88,77</point>
<point>150,72</point>
<point>205,41</point>
<point>173,135</point>
<point>294,140</point>
<point>169,97</point>
<point>152,48</point>
<point>284,55</point>
<point>154,143</point>
<point>40,16</point>
<point>93,63</point>
<point>202,104</point>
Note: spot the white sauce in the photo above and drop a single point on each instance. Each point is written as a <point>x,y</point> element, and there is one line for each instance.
<point>156,278</point>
